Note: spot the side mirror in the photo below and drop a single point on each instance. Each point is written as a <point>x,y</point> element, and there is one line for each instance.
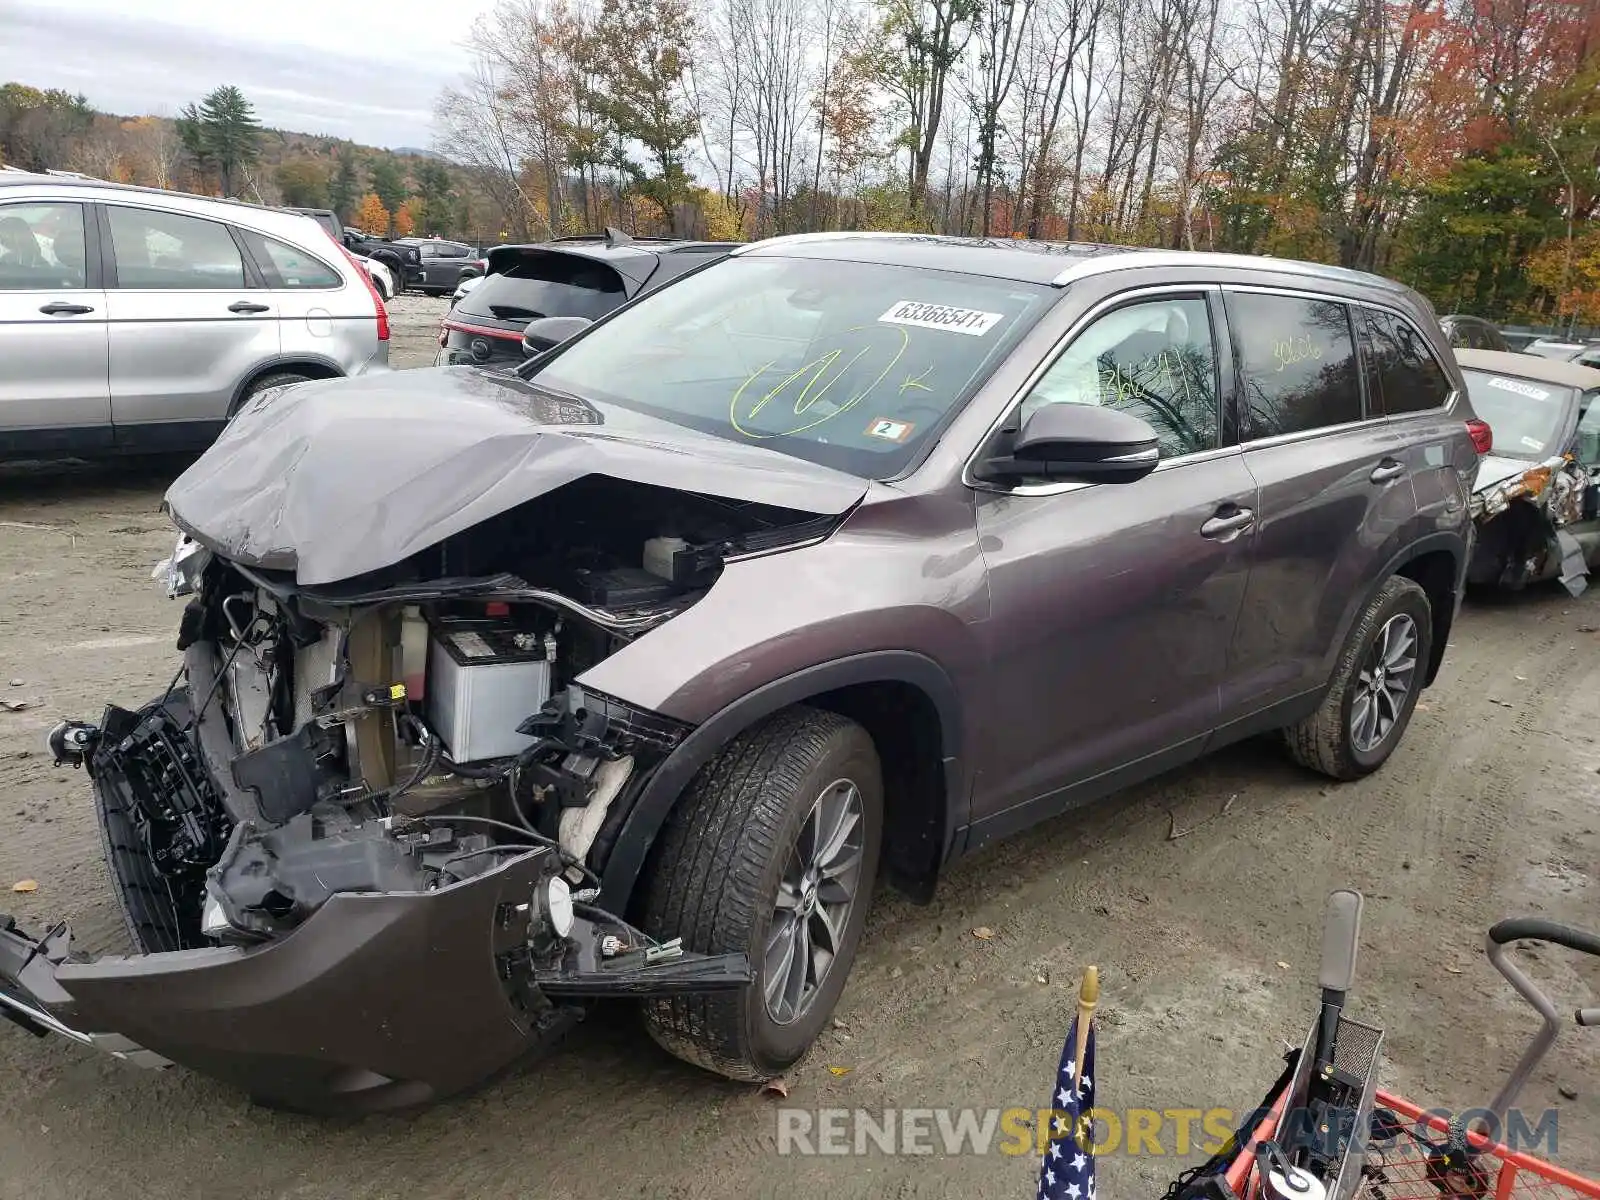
<point>546,332</point>
<point>1081,442</point>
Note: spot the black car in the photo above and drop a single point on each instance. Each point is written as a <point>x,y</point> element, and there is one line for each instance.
<point>403,259</point>
<point>1473,333</point>
<point>441,265</point>
<point>584,276</point>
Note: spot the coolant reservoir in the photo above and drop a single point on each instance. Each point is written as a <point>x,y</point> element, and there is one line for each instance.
<point>413,651</point>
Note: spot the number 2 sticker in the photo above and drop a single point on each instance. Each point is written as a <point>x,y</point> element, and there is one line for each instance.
<point>887,430</point>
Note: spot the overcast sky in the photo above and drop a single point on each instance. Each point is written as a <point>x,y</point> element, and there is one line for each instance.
<point>369,70</point>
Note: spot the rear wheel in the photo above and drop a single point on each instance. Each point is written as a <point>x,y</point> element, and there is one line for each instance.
<point>276,379</point>
<point>772,851</point>
<point>1375,686</point>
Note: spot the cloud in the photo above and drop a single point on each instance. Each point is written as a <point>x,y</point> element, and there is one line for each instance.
<point>374,82</point>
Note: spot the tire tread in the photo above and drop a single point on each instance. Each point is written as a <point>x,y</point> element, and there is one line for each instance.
<point>1319,742</point>
<point>705,885</point>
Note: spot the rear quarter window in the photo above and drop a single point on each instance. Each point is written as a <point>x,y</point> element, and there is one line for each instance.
<point>1409,378</point>
<point>285,266</point>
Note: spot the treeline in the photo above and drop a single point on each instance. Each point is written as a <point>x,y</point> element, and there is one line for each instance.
<point>216,146</point>
<point>1452,143</point>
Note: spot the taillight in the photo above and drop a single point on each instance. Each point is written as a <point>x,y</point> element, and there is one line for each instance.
<point>1482,436</point>
<point>372,290</point>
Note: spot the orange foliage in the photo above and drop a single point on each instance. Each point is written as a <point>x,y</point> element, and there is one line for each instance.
<point>371,215</point>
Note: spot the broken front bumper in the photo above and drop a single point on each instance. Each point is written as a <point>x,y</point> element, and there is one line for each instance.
<point>1523,520</point>
<point>376,1001</point>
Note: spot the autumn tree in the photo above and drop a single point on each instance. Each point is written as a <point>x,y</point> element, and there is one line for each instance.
<point>404,223</point>
<point>371,215</point>
<point>643,76</point>
<point>156,151</point>
<point>40,129</point>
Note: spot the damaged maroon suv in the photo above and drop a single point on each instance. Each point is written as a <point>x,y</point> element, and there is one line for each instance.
<point>632,673</point>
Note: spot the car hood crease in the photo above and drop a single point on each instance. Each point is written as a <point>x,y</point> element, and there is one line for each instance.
<point>338,478</point>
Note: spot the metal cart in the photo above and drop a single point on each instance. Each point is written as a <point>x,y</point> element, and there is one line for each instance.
<point>1326,1131</point>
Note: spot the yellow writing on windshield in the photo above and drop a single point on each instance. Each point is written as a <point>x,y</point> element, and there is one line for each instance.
<point>816,379</point>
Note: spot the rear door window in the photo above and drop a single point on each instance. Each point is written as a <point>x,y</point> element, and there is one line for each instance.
<point>547,284</point>
<point>169,251</point>
<point>1296,363</point>
<point>1409,378</point>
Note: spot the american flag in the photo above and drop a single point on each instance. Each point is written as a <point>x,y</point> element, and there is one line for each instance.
<point>1067,1172</point>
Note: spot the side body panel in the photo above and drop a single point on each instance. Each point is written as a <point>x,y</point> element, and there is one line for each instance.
<point>54,379</point>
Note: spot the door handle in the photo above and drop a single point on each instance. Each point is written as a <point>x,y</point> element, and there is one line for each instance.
<point>1225,527</point>
<point>60,308</point>
<point>246,306</point>
<point>1386,470</point>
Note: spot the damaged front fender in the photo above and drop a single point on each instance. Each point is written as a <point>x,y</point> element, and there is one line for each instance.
<point>1523,520</point>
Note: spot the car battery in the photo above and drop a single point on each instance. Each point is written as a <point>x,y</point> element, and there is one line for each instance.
<point>484,679</point>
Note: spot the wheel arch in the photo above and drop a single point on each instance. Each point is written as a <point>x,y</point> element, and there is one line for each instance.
<point>910,708</point>
<point>314,366</point>
<point>1437,563</point>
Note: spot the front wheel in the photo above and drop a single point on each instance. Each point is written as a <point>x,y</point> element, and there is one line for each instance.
<point>1374,689</point>
<point>773,851</point>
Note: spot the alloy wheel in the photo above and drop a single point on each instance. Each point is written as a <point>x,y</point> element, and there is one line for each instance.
<point>1384,683</point>
<point>815,899</point>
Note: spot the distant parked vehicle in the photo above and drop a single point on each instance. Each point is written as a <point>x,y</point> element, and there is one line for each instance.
<point>441,265</point>
<point>400,257</point>
<point>135,320</point>
<point>382,276</point>
<point>1535,496</point>
<point>582,276</point>
<point>464,288</point>
<point>1472,333</point>
<point>1586,353</point>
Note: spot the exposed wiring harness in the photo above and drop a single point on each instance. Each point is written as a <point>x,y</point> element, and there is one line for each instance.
<point>543,841</point>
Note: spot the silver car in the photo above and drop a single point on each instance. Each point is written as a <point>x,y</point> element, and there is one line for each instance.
<point>135,320</point>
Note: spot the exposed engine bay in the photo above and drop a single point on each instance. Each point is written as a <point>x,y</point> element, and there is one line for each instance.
<point>409,729</point>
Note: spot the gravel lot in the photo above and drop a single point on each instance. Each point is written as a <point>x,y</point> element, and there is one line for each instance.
<point>1206,941</point>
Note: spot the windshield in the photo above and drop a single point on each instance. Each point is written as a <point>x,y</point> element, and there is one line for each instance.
<point>1525,416</point>
<point>850,365</point>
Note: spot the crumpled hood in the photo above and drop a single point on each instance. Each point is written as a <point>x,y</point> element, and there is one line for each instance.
<point>1493,469</point>
<point>336,478</point>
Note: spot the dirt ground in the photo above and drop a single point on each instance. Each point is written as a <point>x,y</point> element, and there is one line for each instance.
<point>1206,941</point>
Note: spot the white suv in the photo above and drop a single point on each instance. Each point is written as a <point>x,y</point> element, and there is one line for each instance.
<point>134,320</point>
